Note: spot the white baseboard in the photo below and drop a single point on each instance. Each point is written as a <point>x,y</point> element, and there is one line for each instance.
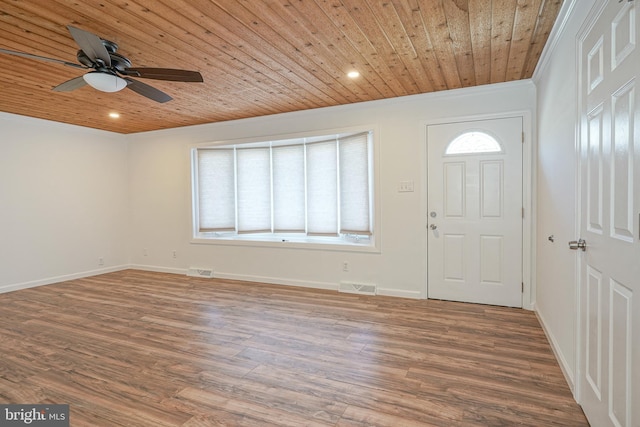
<point>562,361</point>
<point>158,269</point>
<point>63,278</point>
<point>399,293</point>
<point>183,271</point>
<point>278,281</point>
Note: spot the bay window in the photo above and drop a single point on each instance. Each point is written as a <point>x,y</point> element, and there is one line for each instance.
<point>312,190</point>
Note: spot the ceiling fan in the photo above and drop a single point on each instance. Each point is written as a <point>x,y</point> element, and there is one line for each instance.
<point>111,71</point>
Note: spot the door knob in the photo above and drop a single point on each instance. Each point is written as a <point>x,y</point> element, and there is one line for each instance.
<point>580,244</point>
<point>433,226</point>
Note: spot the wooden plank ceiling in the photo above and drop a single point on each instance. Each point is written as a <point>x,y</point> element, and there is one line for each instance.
<point>261,57</point>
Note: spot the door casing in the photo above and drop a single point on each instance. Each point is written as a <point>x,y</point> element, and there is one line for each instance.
<point>528,195</point>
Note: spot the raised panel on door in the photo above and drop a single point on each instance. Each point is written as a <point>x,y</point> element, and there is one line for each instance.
<point>622,162</point>
<point>620,353</point>
<point>454,258</point>
<point>491,188</point>
<point>491,259</point>
<point>595,173</point>
<point>593,331</point>
<point>454,190</point>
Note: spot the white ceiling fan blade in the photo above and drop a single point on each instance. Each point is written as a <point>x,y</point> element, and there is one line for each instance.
<point>70,85</point>
<point>91,45</point>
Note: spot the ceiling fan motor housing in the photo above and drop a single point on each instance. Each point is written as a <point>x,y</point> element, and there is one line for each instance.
<point>118,62</point>
<point>109,45</point>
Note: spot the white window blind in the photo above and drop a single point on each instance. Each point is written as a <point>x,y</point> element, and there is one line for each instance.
<point>354,185</point>
<point>322,188</point>
<point>319,188</point>
<point>216,190</point>
<point>254,190</point>
<point>288,189</point>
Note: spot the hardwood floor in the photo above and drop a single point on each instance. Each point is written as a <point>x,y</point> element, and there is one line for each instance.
<point>137,348</point>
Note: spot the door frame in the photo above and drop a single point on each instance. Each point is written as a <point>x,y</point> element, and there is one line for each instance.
<point>528,195</point>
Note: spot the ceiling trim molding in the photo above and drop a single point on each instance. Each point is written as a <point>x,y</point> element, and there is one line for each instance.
<point>554,38</point>
<point>471,91</point>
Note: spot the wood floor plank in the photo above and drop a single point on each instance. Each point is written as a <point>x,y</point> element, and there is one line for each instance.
<point>135,348</point>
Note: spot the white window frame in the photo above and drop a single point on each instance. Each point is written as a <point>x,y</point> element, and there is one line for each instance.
<point>292,240</point>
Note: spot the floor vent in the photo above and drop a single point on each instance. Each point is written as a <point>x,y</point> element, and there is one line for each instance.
<point>357,288</point>
<point>200,272</point>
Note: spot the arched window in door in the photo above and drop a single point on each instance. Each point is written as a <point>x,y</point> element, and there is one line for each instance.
<point>474,142</point>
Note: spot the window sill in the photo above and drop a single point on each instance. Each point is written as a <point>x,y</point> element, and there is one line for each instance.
<point>294,242</point>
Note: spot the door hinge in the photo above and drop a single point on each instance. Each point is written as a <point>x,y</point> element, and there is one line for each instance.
<point>523,137</point>
<point>522,213</point>
<point>522,287</point>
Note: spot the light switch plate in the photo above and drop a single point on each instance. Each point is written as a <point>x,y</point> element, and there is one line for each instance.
<point>405,187</point>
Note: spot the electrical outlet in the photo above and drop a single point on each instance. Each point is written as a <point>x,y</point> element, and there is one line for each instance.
<point>100,261</point>
<point>145,252</point>
<point>345,266</point>
<point>175,254</point>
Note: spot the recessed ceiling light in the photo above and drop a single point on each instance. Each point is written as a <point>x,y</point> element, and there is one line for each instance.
<point>353,74</point>
<point>114,115</point>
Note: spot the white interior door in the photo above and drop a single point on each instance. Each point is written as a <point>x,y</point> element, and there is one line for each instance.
<point>475,211</point>
<point>609,321</point>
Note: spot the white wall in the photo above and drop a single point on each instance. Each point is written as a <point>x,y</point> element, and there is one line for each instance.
<point>63,201</point>
<point>71,195</point>
<point>160,191</point>
<point>556,81</point>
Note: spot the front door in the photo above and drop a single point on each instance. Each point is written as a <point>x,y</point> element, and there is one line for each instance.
<point>609,321</point>
<point>474,212</point>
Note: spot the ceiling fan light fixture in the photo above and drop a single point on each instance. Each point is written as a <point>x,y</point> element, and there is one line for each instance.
<point>105,82</point>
